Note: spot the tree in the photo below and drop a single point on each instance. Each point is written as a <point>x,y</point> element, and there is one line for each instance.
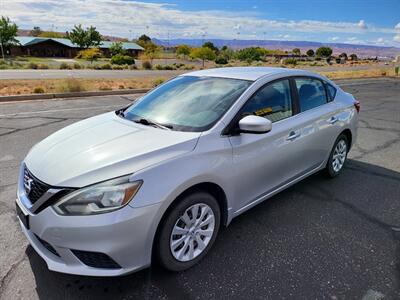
<point>310,52</point>
<point>203,53</point>
<point>151,52</point>
<point>296,51</point>
<point>36,31</point>
<point>143,40</point>
<point>344,55</point>
<point>183,50</point>
<point>117,48</point>
<point>8,32</point>
<point>227,53</point>
<point>211,46</point>
<point>353,56</point>
<point>85,38</point>
<point>250,54</point>
<point>324,51</point>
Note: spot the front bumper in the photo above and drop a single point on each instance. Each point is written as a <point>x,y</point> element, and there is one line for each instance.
<point>126,236</point>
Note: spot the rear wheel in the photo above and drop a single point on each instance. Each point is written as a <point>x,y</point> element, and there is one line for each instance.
<point>338,156</point>
<point>188,231</point>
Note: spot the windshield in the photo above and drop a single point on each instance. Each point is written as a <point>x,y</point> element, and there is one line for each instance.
<point>188,103</point>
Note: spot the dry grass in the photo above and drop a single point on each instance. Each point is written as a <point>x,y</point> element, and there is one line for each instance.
<point>28,86</point>
<point>358,73</point>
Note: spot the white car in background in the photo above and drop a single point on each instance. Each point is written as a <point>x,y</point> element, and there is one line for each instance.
<point>161,176</point>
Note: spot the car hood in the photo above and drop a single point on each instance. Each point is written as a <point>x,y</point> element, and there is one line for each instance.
<point>103,147</point>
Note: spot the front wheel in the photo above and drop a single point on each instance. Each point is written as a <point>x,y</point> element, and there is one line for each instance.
<point>337,156</point>
<point>188,231</point>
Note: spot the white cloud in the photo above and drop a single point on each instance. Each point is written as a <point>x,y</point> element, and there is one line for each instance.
<point>132,18</point>
<point>396,38</point>
<point>334,38</point>
<point>397,27</point>
<point>362,24</point>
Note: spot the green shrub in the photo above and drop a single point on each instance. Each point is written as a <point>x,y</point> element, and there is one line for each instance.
<point>221,60</point>
<point>158,81</point>
<point>188,67</point>
<point>290,61</point>
<point>159,67</point>
<point>117,67</point>
<point>169,67</point>
<point>77,66</point>
<point>147,65</point>
<point>65,66</point>
<point>120,59</point>
<point>396,70</point>
<point>38,90</point>
<point>42,66</point>
<point>105,67</point>
<point>32,65</point>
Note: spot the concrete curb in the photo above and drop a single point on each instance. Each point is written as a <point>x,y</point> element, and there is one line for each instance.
<point>70,95</point>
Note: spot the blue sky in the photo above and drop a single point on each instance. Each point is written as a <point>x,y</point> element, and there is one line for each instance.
<point>351,21</point>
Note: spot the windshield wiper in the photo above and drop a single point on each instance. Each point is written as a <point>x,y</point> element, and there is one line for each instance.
<point>152,123</point>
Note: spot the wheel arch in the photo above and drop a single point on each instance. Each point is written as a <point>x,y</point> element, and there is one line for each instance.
<point>349,135</point>
<point>209,187</point>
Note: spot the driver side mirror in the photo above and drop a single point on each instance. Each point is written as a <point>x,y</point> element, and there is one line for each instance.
<point>255,124</point>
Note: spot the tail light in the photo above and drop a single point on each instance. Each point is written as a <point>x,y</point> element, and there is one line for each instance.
<point>357,106</point>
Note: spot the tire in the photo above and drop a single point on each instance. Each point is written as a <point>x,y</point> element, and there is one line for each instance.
<point>182,258</point>
<point>337,157</point>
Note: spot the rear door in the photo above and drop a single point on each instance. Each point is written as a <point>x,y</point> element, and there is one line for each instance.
<point>319,115</point>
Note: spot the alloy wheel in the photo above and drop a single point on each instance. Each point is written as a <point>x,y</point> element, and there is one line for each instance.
<point>339,155</point>
<point>192,232</point>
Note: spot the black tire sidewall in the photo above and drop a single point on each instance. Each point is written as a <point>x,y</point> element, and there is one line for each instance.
<point>329,168</point>
<point>164,255</point>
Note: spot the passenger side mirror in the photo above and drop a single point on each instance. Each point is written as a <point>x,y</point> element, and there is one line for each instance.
<point>255,124</point>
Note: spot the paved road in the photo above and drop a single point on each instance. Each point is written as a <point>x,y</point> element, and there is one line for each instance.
<point>320,239</point>
<point>55,74</point>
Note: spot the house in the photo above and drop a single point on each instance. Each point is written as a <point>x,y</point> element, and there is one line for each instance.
<point>58,47</point>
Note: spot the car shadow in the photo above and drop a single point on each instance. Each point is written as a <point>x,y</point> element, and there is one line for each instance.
<point>266,251</point>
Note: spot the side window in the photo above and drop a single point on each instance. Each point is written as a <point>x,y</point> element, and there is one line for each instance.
<point>272,101</point>
<point>331,91</point>
<point>311,93</point>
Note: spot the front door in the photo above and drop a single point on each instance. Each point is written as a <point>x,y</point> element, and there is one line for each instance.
<point>269,160</point>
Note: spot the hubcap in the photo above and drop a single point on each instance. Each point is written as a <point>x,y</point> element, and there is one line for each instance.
<point>192,232</point>
<point>339,155</point>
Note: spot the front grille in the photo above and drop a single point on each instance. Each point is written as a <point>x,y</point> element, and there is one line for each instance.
<point>34,188</point>
<point>49,247</point>
<point>96,259</point>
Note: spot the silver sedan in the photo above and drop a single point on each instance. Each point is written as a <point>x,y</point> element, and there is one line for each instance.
<point>157,179</point>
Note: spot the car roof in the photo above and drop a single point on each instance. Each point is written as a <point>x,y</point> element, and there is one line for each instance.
<point>248,73</point>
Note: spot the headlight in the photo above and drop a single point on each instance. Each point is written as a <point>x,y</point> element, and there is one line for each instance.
<point>99,198</point>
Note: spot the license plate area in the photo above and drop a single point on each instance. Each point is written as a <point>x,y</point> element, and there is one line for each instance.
<point>22,216</point>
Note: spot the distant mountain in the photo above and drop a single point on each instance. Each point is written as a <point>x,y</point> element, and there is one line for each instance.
<point>360,50</point>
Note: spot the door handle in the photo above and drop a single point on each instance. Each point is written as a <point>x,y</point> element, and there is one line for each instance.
<point>292,135</point>
<point>333,120</point>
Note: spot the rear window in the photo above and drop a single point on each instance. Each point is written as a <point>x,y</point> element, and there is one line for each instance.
<point>311,93</point>
<point>331,91</point>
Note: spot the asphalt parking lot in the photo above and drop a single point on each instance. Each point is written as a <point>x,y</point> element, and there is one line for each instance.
<point>320,239</point>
